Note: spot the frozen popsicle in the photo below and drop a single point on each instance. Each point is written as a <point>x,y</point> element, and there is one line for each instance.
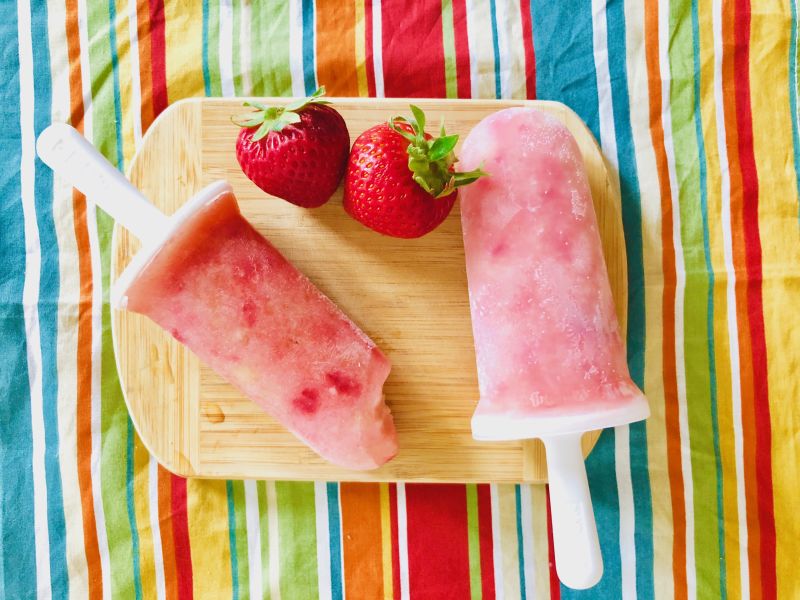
<point>218,286</point>
<point>550,356</point>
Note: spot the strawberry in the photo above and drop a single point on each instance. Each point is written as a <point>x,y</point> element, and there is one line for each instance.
<point>297,152</point>
<point>400,181</point>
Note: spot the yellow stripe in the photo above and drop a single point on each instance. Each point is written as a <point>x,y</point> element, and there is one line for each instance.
<point>708,108</point>
<point>184,49</point>
<point>507,499</point>
<point>652,251</point>
<point>541,552</point>
<point>125,78</point>
<point>386,542</point>
<point>778,223</point>
<point>141,500</point>
<point>207,508</point>
<point>360,31</point>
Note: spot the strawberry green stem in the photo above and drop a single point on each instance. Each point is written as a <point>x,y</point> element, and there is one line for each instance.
<point>275,118</point>
<point>431,160</point>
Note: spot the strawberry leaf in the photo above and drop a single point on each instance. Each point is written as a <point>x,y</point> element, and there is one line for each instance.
<point>275,118</point>
<point>263,131</point>
<point>419,117</point>
<point>443,146</point>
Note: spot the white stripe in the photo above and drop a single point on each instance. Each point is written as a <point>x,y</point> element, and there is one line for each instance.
<point>274,558</point>
<point>136,87</point>
<point>680,289</point>
<point>155,526</point>
<point>253,537</point>
<point>627,516</point>
<point>377,47</point>
<point>733,333</point>
<point>528,531</point>
<point>30,297</point>
<point>244,47</point>
<point>497,543</point>
<point>503,34</point>
<point>226,47</point>
<point>323,540</point>
<point>97,304</point>
<point>608,136</point>
<point>481,50</point>
<point>296,47</point>
<point>622,458</point>
<point>402,541</point>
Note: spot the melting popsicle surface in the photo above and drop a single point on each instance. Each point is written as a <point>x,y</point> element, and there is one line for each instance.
<point>223,290</point>
<point>547,339</point>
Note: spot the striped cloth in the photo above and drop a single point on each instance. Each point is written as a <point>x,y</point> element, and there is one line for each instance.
<point>695,104</point>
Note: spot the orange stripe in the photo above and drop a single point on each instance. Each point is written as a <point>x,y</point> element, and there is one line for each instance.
<point>742,317</point>
<point>145,76</point>
<point>668,266</point>
<point>336,47</point>
<point>84,349</point>
<point>361,534</point>
<point>167,542</point>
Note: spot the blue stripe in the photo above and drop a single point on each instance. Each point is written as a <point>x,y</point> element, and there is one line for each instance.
<point>206,73</point>
<point>232,541</point>
<point>496,47</point>
<point>520,545</point>
<point>49,286</point>
<point>793,100</point>
<point>565,72</point>
<point>637,329</point>
<point>18,568</point>
<point>309,68</point>
<point>701,151</point>
<point>335,528</point>
<point>137,579</point>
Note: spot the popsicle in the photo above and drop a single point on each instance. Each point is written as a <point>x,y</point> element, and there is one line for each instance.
<point>550,355</point>
<point>219,287</point>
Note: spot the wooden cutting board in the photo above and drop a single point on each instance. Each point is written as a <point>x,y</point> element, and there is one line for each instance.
<point>410,296</point>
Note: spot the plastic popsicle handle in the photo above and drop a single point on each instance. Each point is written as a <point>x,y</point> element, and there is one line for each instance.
<point>63,149</point>
<point>579,563</point>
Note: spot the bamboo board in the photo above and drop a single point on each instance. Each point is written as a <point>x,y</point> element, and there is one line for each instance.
<point>410,296</point>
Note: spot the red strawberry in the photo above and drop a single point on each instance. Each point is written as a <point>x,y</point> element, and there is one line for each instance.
<point>400,181</point>
<point>297,152</point>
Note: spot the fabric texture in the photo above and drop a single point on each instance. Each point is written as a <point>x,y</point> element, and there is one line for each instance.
<point>694,103</point>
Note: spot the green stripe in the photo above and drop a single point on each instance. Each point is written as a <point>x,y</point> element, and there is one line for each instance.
<point>256,48</point>
<point>263,519</point>
<point>297,531</point>
<point>449,41</point>
<point>237,57</point>
<point>240,510</point>
<point>114,415</point>
<point>474,541</point>
<point>213,48</point>
<point>695,313</point>
<point>274,56</point>
<point>232,539</point>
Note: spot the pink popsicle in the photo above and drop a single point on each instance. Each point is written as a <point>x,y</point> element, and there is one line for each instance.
<point>550,356</point>
<point>223,290</point>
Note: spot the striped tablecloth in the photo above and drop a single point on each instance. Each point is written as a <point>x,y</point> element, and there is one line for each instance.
<point>694,102</point>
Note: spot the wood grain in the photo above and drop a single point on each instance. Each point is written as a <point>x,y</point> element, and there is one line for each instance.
<point>410,296</point>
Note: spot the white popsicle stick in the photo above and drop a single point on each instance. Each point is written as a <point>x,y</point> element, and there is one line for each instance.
<point>579,563</point>
<point>63,149</point>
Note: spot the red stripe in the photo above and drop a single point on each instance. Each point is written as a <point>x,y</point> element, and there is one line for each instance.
<point>370,62</point>
<point>752,239</point>
<point>180,533</point>
<point>462,48</point>
<point>438,542</point>
<point>485,535</point>
<point>395,544</point>
<point>527,43</point>
<point>413,49</point>
<point>158,58</point>
<point>555,584</point>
